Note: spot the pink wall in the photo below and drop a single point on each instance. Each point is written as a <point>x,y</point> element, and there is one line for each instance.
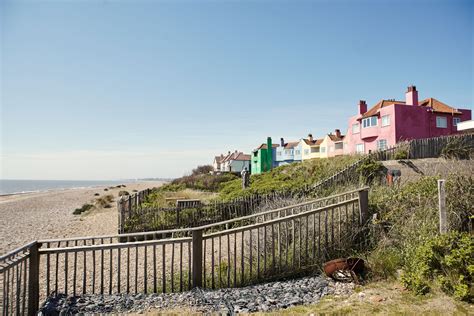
<point>406,122</point>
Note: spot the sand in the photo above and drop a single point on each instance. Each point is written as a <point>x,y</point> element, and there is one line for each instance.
<point>33,216</point>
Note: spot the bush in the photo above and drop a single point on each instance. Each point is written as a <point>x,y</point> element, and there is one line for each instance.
<point>401,154</point>
<point>82,209</point>
<point>369,170</point>
<point>447,260</point>
<point>457,149</point>
<point>202,170</point>
<point>123,193</point>
<point>96,194</point>
<point>105,201</point>
<point>106,189</point>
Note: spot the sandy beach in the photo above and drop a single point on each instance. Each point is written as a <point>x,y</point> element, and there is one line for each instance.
<point>28,217</point>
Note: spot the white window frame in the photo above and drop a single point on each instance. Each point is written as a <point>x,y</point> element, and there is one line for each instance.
<point>440,119</point>
<point>356,128</point>
<point>386,120</point>
<point>314,150</point>
<point>369,121</point>
<point>379,147</point>
<point>341,144</point>
<point>456,121</point>
<point>322,150</point>
<point>360,146</point>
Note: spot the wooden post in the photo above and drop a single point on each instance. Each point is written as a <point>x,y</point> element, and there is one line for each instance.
<point>33,280</point>
<point>363,205</point>
<point>197,258</point>
<point>443,225</point>
<point>120,215</point>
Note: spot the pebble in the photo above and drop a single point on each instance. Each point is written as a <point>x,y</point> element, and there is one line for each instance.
<point>255,298</point>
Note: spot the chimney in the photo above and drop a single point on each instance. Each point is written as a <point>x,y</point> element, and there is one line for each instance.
<point>228,153</point>
<point>362,107</point>
<point>310,136</point>
<point>411,96</point>
<point>338,133</point>
<point>282,142</point>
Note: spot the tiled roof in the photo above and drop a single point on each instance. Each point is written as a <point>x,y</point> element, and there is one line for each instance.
<point>315,142</point>
<point>219,159</point>
<point>242,157</point>
<point>383,103</point>
<point>291,145</point>
<point>438,106</point>
<point>334,138</point>
<point>264,146</point>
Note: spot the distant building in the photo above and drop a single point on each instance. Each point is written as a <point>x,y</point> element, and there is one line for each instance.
<point>310,147</point>
<point>232,162</point>
<point>389,122</point>
<point>332,144</point>
<point>264,157</point>
<point>287,153</point>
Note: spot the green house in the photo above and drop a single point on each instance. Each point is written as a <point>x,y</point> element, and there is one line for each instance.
<point>263,158</point>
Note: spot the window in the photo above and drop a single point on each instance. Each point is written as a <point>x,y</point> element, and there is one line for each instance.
<point>370,121</point>
<point>360,148</point>
<point>339,145</point>
<point>315,149</point>
<point>382,144</point>
<point>289,151</point>
<point>306,151</point>
<point>386,120</point>
<point>441,122</point>
<point>297,152</point>
<point>278,153</point>
<point>456,120</point>
<point>355,128</point>
<point>323,149</point>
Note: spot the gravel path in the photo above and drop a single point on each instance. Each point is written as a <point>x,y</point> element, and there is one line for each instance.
<point>263,297</point>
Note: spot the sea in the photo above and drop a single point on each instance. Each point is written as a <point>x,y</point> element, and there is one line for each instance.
<point>8,187</point>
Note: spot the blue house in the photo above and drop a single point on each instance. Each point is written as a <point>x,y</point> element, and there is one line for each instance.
<point>287,153</point>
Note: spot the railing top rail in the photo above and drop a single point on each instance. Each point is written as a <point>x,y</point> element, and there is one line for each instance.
<point>277,220</point>
<point>182,230</point>
<point>115,245</point>
<point>16,251</point>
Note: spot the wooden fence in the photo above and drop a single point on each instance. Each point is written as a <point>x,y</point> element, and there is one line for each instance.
<point>240,251</point>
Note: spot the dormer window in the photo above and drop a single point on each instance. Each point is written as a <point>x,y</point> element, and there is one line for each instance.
<point>370,121</point>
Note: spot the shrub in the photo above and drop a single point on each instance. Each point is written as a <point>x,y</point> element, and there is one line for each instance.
<point>106,189</point>
<point>447,260</point>
<point>457,149</point>
<point>105,201</point>
<point>202,170</point>
<point>135,191</point>
<point>401,154</point>
<point>96,194</point>
<point>123,193</point>
<point>82,209</point>
<point>369,170</point>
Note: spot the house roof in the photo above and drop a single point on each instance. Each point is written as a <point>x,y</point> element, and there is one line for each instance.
<point>219,159</point>
<point>334,138</point>
<point>382,103</point>
<point>436,105</point>
<point>242,157</point>
<point>291,145</point>
<point>315,142</point>
<point>264,146</point>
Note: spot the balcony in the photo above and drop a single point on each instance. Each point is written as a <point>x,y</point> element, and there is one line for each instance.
<point>369,132</point>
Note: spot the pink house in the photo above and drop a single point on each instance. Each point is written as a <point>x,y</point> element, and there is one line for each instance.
<point>390,121</point>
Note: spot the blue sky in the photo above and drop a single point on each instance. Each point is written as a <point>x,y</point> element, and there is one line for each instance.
<point>126,89</point>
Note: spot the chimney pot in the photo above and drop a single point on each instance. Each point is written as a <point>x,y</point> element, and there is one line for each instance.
<point>310,136</point>
<point>282,142</point>
<point>362,107</point>
<point>338,133</point>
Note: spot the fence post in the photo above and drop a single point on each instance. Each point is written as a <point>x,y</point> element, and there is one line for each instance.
<point>33,280</point>
<point>197,258</point>
<point>363,205</point>
<point>443,227</point>
<point>120,211</point>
